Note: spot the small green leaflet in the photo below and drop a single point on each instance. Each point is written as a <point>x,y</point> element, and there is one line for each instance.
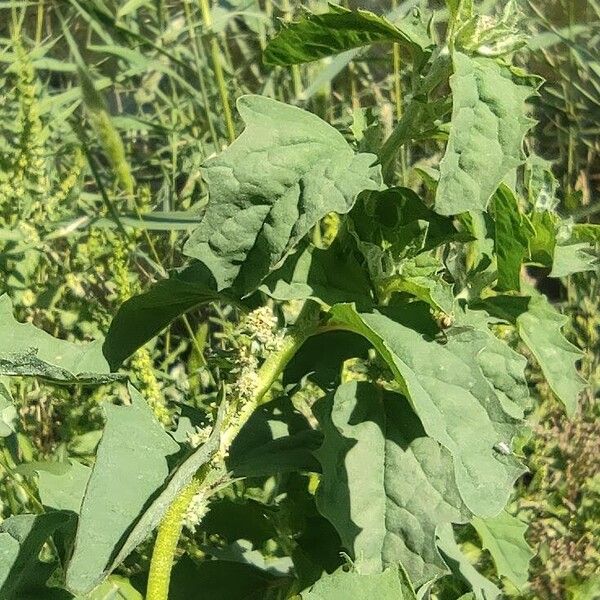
<point>486,132</point>
<point>388,513</point>
<point>512,234</point>
<point>504,537</point>
<point>285,172</point>
<point>31,352</point>
<point>131,465</point>
<point>540,328</point>
<point>142,317</point>
<point>8,412</point>
<point>343,585</point>
<point>456,403</point>
<point>483,588</point>
<point>340,29</point>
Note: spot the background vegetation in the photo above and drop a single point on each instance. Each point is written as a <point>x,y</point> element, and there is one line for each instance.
<point>88,218</point>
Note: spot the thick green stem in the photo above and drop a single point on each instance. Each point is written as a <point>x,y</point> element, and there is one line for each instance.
<point>170,528</point>
<point>166,542</point>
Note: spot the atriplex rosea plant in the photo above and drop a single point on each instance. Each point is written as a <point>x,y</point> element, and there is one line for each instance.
<point>389,320</point>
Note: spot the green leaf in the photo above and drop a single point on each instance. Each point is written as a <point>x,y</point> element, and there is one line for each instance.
<point>540,329</point>
<point>422,278</point>
<point>29,351</point>
<point>22,537</point>
<point>131,465</point>
<point>573,258</point>
<point>512,234</point>
<point>329,276</point>
<point>285,172</point>
<point>62,488</point>
<point>317,36</point>
<point>142,317</point>
<point>387,513</point>
<point>504,537</point>
<point>483,588</point>
<point>486,133</point>
<point>8,412</point>
<point>456,403</point>
<point>343,585</point>
<point>181,475</point>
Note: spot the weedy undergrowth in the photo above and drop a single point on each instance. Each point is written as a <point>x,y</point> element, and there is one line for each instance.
<point>370,402</point>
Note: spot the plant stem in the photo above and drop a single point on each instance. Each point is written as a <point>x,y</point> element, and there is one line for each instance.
<point>165,546</point>
<point>215,54</point>
<point>170,528</point>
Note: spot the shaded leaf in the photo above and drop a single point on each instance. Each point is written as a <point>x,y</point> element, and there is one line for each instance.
<point>340,29</point>
<point>329,276</point>
<point>223,580</point>
<point>486,132</point>
<point>483,588</point>
<point>285,172</point>
<point>386,514</point>
<point>142,317</point>
<point>22,537</point>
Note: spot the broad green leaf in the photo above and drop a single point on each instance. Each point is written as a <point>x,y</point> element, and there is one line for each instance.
<point>8,412</point>
<point>28,351</point>
<point>501,365</point>
<point>340,29</point>
<point>329,276</point>
<point>22,574</point>
<point>142,317</point>
<point>504,537</point>
<point>343,585</point>
<point>540,329</point>
<point>456,403</point>
<point>486,132</point>
<point>224,580</point>
<point>63,488</point>
<point>179,478</point>
<point>512,232</point>
<point>573,258</point>
<point>394,230</point>
<point>483,588</point>
<point>285,172</point>
<point>387,513</point>
<point>131,465</point>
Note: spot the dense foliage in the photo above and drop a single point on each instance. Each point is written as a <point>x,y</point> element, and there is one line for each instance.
<point>342,401</point>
